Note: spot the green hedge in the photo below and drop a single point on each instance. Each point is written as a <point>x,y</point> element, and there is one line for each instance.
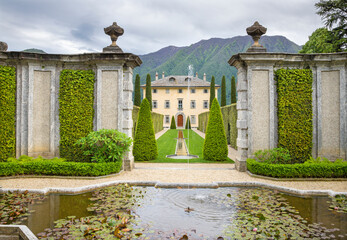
<point>298,170</point>
<point>7,112</point>
<point>157,119</point>
<point>58,168</point>
<point>76,100</point>
<point>229,114</point>
<point>294,111</point>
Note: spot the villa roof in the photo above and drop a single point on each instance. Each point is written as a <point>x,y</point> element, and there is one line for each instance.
<point>180,81</point>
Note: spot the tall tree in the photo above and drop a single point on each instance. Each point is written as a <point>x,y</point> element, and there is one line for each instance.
<point>215,143</point>
<point>321,41</point>
<point>223,98</point>
<point>173,123</point>
<point>233,90</point>
<point>212,90</point>
<point>145,146</point>
<point>188,125</point>
<point>137,94</point>
<point>149,90</point>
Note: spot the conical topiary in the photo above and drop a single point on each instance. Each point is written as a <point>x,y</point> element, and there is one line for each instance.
<point>188,126</point>
<point>215,143</point>
<point>137,94</point>
<point>145,146</point>
<point>173,123</point>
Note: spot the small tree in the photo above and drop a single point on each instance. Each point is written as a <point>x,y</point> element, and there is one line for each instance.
<point>137,94</point>
<point>149,90</point>
<point>223,98</point>
<point>188,126</point>
<point>145,146</point>
<point>212,90</point>
<point>233,90</point>
<point>215,144</point>
<point>173,123</point>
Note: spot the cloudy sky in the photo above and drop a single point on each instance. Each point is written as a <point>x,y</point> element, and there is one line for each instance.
<point>76,26</point>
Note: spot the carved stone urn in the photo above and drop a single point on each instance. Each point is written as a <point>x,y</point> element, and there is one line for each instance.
<point>255,31</point>
<point>3,46</point>
<point>114,31</point>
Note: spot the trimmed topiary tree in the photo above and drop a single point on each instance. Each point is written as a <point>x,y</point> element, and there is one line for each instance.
<point>145,146</point>
<point>188,125</point>
<point>137,94</point>
<point>223,98</point>
<point>149,90</point>
<point>215,144</point>
<point>173,123</point>
<point>212,91</point>
<point>233,90</point>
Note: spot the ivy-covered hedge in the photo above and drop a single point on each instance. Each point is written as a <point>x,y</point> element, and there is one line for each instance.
<point>7,112</point>
<point>76,100</point>
<point>58,168</point>
<point>294,104</point>
<point>229,114</point>
<point>157,119</point>
<point>298,170</point>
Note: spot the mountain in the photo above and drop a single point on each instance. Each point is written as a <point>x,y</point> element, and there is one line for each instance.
<point>34,50</point>
<point>207,56</point>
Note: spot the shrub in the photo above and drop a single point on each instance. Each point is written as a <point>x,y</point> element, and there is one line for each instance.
<point>298,170</point>
<point>274,156</point>
<point>56,167</point>
<point>76,112</point>
<point>215,144</point>
<point>7,112</point>
<point>173,123</point>
<point>145,146</point>
<point>188,125</point>
<point>294,104</point>
<point>105,145</point>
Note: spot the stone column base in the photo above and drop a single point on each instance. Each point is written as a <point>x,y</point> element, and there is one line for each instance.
<point>240,165</point>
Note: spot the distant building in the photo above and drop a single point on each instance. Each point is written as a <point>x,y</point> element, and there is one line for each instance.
<point>180,96</point>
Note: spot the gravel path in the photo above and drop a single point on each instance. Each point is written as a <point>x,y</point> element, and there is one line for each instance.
<point>172,173</point>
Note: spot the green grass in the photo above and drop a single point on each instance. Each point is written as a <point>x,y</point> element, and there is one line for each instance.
<point>167,146</point>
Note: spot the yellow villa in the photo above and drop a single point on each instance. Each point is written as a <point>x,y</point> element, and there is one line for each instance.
<point>180,96</point>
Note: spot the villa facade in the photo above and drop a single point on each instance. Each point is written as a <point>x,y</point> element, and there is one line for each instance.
<point>180,96</point>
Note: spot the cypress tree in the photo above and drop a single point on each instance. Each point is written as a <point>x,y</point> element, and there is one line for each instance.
<point>215,143</point>
<point>233,90</point>
<point>145,146</point>
<point>212,91</point>
<point>137,95</point>
<point>223,99</point>
<point>173,123</point>
<point>188,125</point>
<point>149,90</point>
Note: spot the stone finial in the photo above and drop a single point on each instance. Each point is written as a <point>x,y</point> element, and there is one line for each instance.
<point>255,31</point>
<point>114,31</point>
<point>3,46</point>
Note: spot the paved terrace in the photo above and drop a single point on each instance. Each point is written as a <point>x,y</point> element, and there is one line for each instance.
<point>169,174</point>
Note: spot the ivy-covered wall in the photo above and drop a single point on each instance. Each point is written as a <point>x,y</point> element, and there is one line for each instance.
<point>76,100</point>
<point>229,114</point>
<point>156,118</point>
<point>7,112</point>
<point>294,111</point>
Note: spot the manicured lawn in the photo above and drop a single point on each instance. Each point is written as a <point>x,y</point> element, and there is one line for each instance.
<point>167,146</point>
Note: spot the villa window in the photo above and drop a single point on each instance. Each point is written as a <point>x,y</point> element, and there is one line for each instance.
<point>180,90</point>
<point>193,119</point>
<point>205,90</point>
<point>154,90</point>
<point>167,118</point>
<point>155,104</point>
<point>180,104</point>
<point>167,90</point>
<point>206,104</point>
<point>172,79</point>
<point>192,104</point>
<point>192,90</point>
<point>167,104</point>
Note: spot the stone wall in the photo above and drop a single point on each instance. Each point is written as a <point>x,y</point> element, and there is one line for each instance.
<point>37,76</point>
<point>257,102</point>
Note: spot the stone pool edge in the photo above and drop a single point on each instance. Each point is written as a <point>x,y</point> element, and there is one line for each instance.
<point>83,189</point>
